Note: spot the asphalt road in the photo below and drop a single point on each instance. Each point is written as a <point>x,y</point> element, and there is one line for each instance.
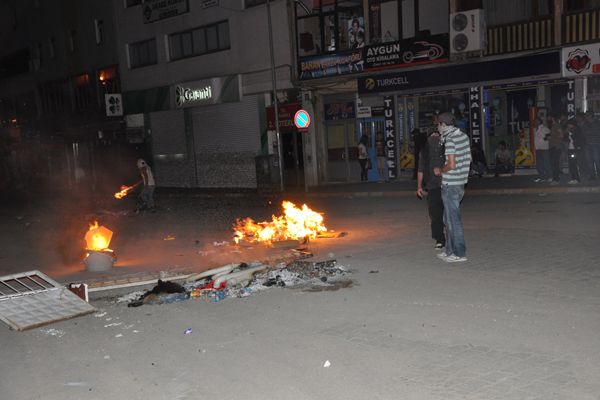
<point>519,320</point>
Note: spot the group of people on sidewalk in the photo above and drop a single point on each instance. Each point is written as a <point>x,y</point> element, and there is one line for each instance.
<point>442,173</point>
<point>576,139</point>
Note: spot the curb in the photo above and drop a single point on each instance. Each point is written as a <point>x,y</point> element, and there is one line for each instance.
<point>476,192</point>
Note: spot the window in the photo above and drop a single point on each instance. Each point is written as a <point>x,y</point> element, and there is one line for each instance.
<point>142,53</point>
<point>52,47</point>
<point>579,5</point>
<point>253,3</point>
<point>202,40</point>
<point>329,25</point>
<point>131,3</point>
<point>73,40</point>
<point>99,29</point>
<point>83,92</point>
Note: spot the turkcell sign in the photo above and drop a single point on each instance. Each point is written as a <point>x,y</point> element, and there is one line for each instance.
<point>390,136</point>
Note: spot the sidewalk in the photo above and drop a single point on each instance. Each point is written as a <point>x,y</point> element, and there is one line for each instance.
<point>488,185</point>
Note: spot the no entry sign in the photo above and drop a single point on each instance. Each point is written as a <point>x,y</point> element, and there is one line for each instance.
<point>302,119</point>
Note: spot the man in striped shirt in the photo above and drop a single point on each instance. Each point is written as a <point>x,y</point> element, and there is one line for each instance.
<point>455,174</point>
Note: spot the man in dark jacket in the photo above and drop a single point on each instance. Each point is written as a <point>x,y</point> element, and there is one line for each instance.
<point>431,157</point>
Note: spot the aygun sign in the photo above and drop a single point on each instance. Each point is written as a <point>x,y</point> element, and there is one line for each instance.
<point>406,53</point>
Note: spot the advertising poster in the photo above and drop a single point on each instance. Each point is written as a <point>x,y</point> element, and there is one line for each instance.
<point>331,64</point>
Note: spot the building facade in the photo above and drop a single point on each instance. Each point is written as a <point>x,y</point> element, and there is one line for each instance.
<point>197,78</point>
<point>58,61</point>
<point>385,69</point>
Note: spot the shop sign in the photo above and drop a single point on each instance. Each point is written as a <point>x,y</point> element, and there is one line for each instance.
<point>581,60</point>
<point>155,10</point>
<point>286,117</point>
<point>209,3</point>
<point>206,91</point>
<point>343,110</point>
<point>390,135</point>
<point>114,104</point>
<point>571,99</point>
<point>475,114</point>
<point>406,53</point>
<point>539,66</point>
<point>341,63</point>
<point>363,112</point>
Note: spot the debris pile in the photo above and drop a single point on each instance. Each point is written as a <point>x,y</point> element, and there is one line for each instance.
<point>243,280</point>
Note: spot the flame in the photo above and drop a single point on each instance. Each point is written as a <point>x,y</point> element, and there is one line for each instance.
<point>124,191</point>
<point>98,237</point>
<point>296,223</point>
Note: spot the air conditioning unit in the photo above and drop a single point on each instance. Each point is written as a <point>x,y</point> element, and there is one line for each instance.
<point>467,32</point>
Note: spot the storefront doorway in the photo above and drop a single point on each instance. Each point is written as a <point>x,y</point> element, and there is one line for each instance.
<point>293,158</point>
<point>374,129</point>
<point>342,153</point>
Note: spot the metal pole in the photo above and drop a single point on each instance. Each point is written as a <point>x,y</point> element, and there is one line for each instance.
<point>275,103</point>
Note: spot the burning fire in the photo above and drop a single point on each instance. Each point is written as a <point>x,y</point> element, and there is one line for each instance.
<point>296,223</point>
<point>124,191</point>
<point>98,238</point>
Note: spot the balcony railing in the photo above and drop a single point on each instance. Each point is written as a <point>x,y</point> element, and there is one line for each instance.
<point>520,36</point>
<point>582,26</point>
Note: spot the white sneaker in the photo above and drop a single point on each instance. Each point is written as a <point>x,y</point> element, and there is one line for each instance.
<point>453,258</point>
<point>443,256</point>
<point>439,246</point>
<point>538,180</point>
<point>573,182</point>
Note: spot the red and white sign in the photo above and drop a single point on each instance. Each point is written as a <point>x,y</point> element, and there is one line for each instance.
<point>286,117</point>
<point>581,60</point>
<point>302,119</point>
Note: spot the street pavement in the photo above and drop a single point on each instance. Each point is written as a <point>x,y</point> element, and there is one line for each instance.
<point>519,320</point>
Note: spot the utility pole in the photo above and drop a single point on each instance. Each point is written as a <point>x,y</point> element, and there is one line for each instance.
<point>275,102</point>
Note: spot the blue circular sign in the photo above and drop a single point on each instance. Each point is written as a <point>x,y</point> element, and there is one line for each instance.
<point>302,119</point>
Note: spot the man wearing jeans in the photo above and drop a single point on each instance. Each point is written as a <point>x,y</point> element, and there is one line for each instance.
<point>455,174</point>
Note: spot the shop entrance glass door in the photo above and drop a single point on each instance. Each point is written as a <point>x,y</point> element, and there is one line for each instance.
<point>374,129</point>
<point>342,154</point>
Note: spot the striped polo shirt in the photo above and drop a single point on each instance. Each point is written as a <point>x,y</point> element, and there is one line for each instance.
<point>457,143</point>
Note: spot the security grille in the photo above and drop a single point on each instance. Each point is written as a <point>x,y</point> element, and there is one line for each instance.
<point>31,299</point>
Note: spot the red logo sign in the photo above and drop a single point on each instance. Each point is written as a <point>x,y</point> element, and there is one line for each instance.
<point>578,61</point>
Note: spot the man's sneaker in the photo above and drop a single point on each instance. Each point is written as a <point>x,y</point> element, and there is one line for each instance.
<point>439,246</point>
<point>443,256</point>
<point>538,180</point>
<point>453,258</point>
<point>573,182</point>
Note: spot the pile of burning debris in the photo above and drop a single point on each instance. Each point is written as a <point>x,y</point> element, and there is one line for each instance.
<point>242,280</point>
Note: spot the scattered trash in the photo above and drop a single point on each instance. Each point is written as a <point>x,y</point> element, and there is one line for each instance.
<point>374,271</point>
<point>119,335</point>
<point>113,324</point>
<point>164,292</point>
<point>187,331</point>
<point>107,357</point>
<point>223,243</point>
<point>169,237</point>
<point>53,332</point>
<point>327,364</point>
<point>100,314</point>
<point>74,384</point>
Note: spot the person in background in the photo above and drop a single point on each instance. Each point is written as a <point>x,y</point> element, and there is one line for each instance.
<point>431,157</point>
<point>478,163</point>
<point>555,145</point>
<point>363,156</point>
<point>455,175</point>
<point>147,193</point>
<point>542,152</point>
<point>420,140</point>
<point>591,133</point>
<point>574,141</point>
<point>504,159</point>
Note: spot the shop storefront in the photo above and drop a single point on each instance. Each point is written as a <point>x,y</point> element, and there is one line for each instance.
<point>204,133</point>
<point>494,101</point>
